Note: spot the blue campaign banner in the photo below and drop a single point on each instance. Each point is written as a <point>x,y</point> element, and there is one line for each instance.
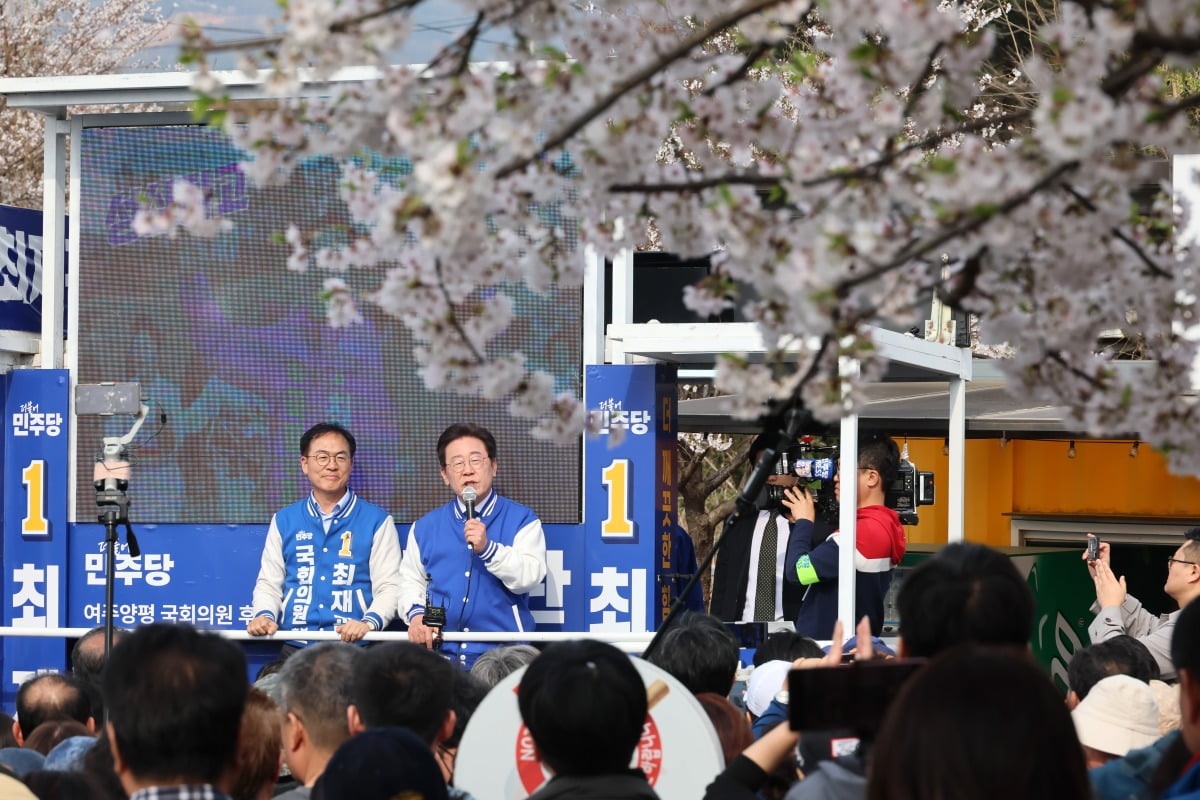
<point>630,496</point>
<point>204,575</point>
<point>20,269</point>
<point>36,467</point>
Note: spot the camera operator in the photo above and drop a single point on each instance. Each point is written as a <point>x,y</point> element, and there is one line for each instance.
<point>879,539</point>
<point>748,583</point>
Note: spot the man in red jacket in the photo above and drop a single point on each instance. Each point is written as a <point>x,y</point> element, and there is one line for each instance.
<point>879,538</point>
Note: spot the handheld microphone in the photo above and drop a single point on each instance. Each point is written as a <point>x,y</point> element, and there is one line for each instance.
<point>468,498</point>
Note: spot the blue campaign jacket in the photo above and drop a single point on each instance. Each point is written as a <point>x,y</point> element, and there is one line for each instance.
<point>485,592</point>
<point>312,580</point>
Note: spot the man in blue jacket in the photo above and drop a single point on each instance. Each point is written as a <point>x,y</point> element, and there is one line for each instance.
<point>476,557</point>
<point>332,560</point>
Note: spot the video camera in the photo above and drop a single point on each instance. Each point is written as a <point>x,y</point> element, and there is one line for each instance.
<point>911,488</point>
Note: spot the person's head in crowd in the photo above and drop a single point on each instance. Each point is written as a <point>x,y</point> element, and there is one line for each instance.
<point>1119,714</point>
<point>53,785</point>
<point>98,764</point>
<point>387,763</point>
<point>49,697</point>
<point>174,697</point>
<point>1120,655</point>
<point>403,684</point>
<point>1183,570</point>
<point>49,734</point>
<point>68,755</point>
<point>700,652</point>
<point>978,722</point>
<point>731,725</point>
<point>87,664</point>
<point>786,646</point>
<point>466,694</point>
<point>584,704</point>
<point>7,737</point>
<point>496,664</point>
<point>20,761</point>
<point>259,753</point>
<point>315,690</point>
<point>1185,655</point>
<point>764,683</point>
<point>966,592</point>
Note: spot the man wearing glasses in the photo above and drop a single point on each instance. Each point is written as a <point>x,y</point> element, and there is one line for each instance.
<point>475,558</point>
<point>1118,612</point>
<point>879,544</point>
<point>331,562</point>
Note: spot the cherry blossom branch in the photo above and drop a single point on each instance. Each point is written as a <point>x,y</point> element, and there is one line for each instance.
<point>452,317</point>
<point>921,84</point>
<point>1154,269</point>
<point>638,78</point>
<point>341,26</point>
<point>971,225</point>
<point>760,50</point>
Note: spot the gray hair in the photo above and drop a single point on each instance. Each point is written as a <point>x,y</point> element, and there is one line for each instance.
<point>496,664</point>
<point>315,684</point>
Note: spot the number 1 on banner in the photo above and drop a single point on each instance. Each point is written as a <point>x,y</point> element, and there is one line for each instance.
<point>34,478</point>
<point>618,525</point>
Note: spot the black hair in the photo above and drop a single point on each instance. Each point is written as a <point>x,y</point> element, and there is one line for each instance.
<point>87,664</point>
<point>460,430</point>
<point>403,684</point>
<point>881,454</point>
<point>52,696</point>
<point>322,428</point>
<point>466,694</point>
<point>1191,541</point>
<point>316,684</point>
<point>62,785</point>
<point>966,592</point>
<point>978,722</point>
<point>1185,641</point>
<point>175,697</point>
<point>786,646</point>
<point>1120,655</point>
<point>584,704</point>
<point>700,652</point>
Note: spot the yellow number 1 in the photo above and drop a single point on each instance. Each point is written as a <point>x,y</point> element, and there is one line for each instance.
<point>34,478</point>
<point>345,551</point>
<point>616,478</point>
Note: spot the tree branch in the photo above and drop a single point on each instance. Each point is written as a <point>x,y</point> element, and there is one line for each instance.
<point>971,225</point>
<point>1155,270</point>
<point>633,81</point>
<point>341,26</point>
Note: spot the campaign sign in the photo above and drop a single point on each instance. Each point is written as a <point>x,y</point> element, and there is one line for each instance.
<point>204,575</point>
<point>20,269</point>
<point>35,519</point>
<point>629,472</point>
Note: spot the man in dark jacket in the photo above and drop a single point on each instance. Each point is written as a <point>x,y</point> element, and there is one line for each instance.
<point>879,540</point>
<point>584,704</point>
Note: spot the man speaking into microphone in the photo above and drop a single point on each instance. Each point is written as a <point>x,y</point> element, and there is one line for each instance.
<point>470,564</point>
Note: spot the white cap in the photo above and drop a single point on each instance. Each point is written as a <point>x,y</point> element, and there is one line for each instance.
<point>1119,714</point>
<point>764,683</point>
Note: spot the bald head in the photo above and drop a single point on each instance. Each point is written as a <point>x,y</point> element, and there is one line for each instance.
<point>51,697</point>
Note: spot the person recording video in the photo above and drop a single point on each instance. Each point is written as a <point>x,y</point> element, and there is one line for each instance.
<point>880,544</point>
<point>470,564</point>
<point>748,583</point>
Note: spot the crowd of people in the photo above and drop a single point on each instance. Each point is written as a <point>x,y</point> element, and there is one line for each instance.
<point>959,708</point>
